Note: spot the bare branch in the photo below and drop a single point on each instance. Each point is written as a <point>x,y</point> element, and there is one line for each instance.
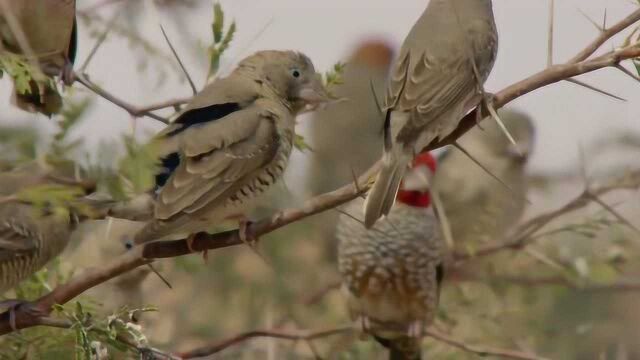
<point>275,333</point>
<point>482,351</point>
<point>605,36</point>
<point>132,110</point>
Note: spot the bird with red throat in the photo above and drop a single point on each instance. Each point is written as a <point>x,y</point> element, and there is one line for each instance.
<point>392,272</point>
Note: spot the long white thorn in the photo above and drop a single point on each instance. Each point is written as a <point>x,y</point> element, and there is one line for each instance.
<point>472,158</point>
<point>496,117</point>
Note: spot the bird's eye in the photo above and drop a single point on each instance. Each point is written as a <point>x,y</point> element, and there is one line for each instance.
<point>295,73</point>
<point>128,244</point>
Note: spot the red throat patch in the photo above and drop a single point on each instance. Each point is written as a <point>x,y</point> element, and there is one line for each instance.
<point>418,198</point>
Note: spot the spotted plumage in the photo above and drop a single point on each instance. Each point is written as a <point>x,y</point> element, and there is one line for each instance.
<point>231,143</point>
<point>437,78</point>
<point>29,237</point>
<point>392,272</point>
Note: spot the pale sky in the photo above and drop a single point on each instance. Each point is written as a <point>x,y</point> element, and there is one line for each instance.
<point>326,30</point>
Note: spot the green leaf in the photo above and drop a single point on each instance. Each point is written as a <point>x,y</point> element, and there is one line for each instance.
<point>300,144</point>
<point>218,23</point>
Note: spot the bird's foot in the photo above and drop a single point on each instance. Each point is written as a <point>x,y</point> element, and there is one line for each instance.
<point>190,241</point>
<point>29,308</point>
<point>67,74</point>
<point>416,329</point>
<point>247,235</point>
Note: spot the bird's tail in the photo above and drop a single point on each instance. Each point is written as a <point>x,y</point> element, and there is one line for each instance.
<point>383,193</point>
<point>47,103</point>
<point>402,348</point>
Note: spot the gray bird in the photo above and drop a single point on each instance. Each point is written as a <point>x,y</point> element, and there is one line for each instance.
<point>49,28</point>
<point>478,209</point>
<point>231,143</point>
<point>392,272</point>
<point>437,79</point>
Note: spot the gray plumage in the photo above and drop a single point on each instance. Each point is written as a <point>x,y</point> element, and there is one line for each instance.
<point>233,142</point>
<point>479,209</point>
<point>432,86</point>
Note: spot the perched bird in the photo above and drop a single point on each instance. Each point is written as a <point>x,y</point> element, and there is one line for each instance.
<point>437,79</point>
<point>354,124</point>
<point>231,143</point>
<point>392,272</point>
<point>29,237</point>
<point>477,208</point>
<point>48,30</point>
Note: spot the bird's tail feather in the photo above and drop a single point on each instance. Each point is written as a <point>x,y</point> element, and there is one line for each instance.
<point>383,193</point>
<point>49,103</point>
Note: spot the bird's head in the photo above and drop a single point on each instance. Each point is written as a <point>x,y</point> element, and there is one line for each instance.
<point>414,190</point>
<point>496,143</point>
<point>291,75</point>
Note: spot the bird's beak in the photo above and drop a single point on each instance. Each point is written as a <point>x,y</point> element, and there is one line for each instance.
<point>417,179</point>
<point>314,92</point>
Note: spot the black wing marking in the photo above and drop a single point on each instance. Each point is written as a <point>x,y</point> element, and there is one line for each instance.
<point>202,115</point>
<point>188,119</point>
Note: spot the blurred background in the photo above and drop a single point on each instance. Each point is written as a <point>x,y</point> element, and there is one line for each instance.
<point>577,131</point>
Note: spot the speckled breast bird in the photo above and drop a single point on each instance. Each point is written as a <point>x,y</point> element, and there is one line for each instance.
<point>392,272</point>
<point>478,210</point>
<point>436,80</point>
<point>29,238</point>
<point>49,28</point>
<point>231,144</point>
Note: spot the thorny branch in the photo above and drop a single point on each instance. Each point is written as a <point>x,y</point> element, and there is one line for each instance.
<point>312,335</point>
<point>525,233</point>
<point>580,64</point>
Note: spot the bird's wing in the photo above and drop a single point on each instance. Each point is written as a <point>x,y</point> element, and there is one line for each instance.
<point>17,237</point>
<point>216,156</point>
<point>216,101</point>
<point>430,86</point>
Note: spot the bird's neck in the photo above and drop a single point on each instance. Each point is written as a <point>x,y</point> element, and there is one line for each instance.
<point>414,198</point>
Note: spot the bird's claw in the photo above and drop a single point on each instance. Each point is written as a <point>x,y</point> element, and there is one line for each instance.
<point>190,241</point>
<point>247,235</point>
<point>67,75</point>
<point>29,308</point>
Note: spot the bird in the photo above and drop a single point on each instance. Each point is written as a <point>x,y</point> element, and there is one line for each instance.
<point>48,29</point>
<point>478,210</point>
<point>29,236</point>
<point>392,272</point>
<point>354,124</point>
<point>437,78</point>
<point>230,144</point>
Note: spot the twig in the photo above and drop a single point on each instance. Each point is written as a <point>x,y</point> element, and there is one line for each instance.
<point>525,232</point>
<point>100,40</point>
<point>278,334</point>
<point>616,286</point>
<point>482,351</point>
<point>132,110</point>
<point>605,35</point>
